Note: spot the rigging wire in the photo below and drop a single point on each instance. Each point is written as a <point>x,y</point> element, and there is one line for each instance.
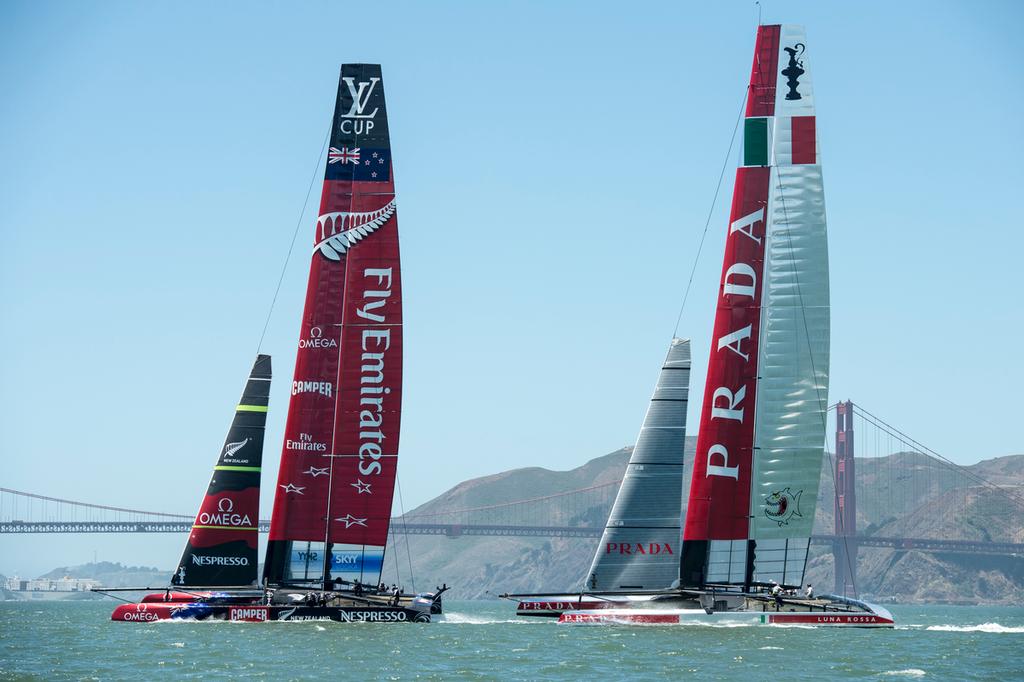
<point>408,552</point>
<point>711,212</point>
<point>291,246</point>
<point>394,545</point>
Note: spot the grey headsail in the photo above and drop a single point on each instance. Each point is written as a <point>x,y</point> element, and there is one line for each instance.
<point>640,545</point>
<point>222,547</point>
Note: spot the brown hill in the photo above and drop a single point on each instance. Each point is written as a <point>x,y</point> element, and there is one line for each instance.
<point>904,494</point>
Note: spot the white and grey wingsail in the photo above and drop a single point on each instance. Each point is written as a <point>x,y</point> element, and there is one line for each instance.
<point>641,543</point>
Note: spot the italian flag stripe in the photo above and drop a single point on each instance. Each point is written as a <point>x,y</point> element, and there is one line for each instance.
<point>794,141</point>
<point>804,150</point>
<point>755,142</point>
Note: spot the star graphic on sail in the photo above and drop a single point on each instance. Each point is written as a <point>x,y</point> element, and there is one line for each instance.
<point>361,487</point>
<point>350,521</point>
<point>292,488</point>
<point>314,472</point>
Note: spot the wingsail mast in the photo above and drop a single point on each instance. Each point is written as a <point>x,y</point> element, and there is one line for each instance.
<point>762,427</point>
<point>333,500</point>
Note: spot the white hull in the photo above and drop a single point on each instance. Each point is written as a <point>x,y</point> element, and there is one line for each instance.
<point>50,595</point>
<point>634,616</point>
<point>707,609</point>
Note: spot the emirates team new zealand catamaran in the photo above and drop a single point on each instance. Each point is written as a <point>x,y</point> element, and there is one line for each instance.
<point>755,478</point>
<point>332,508</point>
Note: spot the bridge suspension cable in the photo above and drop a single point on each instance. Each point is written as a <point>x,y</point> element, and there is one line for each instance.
<point>22,493</point>
<point>1018,500</point>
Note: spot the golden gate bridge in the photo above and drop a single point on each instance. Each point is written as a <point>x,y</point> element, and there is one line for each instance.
<point>882,489</point>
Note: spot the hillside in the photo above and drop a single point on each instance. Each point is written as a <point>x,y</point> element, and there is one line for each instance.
<point>889,504</point>
<point>477,566</point>
<point>112,574</point>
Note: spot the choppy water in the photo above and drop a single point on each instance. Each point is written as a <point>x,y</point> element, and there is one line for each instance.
<point>484,640</point>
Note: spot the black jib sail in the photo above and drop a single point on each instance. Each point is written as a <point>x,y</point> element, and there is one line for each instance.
<point>222,547</point>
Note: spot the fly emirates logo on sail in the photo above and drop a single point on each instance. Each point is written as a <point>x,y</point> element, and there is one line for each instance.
<point>374,346</point>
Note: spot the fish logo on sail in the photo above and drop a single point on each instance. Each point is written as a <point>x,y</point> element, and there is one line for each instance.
<point>783,505</point>
<point>337,232</point>
<point>794,70</point>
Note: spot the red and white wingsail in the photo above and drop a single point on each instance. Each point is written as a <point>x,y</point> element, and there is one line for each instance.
<point>337,476</point>
<point>762,425</point>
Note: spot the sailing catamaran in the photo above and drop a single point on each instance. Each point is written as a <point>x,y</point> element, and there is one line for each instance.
<point>332,508</point>
<point>750,510</point>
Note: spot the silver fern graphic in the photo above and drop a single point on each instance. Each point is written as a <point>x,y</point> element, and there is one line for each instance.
<point>232,448</point>
<point>339,231</point>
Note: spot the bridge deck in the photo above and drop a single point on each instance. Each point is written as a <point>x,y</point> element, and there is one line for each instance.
<point>459,530</point>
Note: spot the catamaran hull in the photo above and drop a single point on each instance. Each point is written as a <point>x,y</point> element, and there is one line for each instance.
<point>552,607</point>
<point>148,612</point>
<point>877,617</point>
<point>618,616</point>
<point>687,608</point>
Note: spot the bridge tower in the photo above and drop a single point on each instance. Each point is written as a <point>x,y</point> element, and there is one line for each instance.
<point>844,548</point>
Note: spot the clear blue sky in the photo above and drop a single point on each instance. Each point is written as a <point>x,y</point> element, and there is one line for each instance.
<point>555,163</point>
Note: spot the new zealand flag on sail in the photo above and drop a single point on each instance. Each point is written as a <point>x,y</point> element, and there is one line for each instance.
<point>358,163</point>
<point>360,148</point>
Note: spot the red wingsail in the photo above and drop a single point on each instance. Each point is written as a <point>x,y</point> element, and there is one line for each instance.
<point>720,488</point>
<point>719,502</point>
<point>340,451</point>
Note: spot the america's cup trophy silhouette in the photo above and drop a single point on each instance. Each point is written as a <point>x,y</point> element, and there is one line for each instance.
<point>794,69</point>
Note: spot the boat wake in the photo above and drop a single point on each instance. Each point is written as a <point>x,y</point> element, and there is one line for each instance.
<point>466,619</point>
<point>909,672</point>
<point>984,627</point>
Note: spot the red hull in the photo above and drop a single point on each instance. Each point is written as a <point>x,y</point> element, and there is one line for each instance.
<point>258,613</point>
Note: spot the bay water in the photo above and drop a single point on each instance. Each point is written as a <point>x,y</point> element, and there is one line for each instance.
<point>486,641</point>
